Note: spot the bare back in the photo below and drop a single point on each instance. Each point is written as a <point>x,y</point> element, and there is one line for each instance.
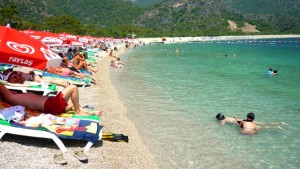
<point>248,127</point>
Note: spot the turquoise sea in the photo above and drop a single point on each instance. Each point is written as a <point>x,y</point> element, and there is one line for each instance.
<point>173,99</point>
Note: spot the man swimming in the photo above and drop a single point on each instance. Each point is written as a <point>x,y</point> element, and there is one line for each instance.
<point>248,126</point>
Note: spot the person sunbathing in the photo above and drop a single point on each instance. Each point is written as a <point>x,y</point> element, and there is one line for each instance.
<point>80,63</point>
<point>19,77</point>
<point>62,71</point>
<point>48,104</point>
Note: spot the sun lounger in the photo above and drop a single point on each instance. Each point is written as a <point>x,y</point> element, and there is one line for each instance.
<point>4,66</point>
<point>33,87</point>
<point>72,80</point>
<point>67,128</point>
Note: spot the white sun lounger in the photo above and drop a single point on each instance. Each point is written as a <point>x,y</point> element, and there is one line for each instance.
<point>40,134</point>
<point>8,128</point>
<point>28,86</point>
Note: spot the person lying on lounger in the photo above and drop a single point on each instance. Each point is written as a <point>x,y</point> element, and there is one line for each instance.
<point>19,77</point>
<point>62,71</point>
<point>47,104</point>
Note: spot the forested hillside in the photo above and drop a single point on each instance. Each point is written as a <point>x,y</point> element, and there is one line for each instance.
<point>153,18</point>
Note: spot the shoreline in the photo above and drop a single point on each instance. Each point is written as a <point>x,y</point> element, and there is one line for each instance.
<point>115,154</point>
<point>212,38</point>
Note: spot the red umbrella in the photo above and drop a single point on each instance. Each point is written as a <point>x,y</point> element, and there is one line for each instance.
<point>19,49</point>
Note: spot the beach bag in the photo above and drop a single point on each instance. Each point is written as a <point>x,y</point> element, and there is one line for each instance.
<point>14,113</point>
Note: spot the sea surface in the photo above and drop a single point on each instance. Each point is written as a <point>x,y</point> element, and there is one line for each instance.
<point>173,98</point>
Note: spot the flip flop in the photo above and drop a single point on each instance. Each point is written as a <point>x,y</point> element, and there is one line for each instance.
<point>88,107</point>
<point>80,155</point>
<point>59,159</point>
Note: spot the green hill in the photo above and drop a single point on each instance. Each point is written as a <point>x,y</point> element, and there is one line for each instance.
<point>154,17</point>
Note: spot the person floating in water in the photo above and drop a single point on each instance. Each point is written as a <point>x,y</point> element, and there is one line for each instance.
<point>224,119</point>
<point>270,71</point>
<point>249,127</point>
<point>274,72</point>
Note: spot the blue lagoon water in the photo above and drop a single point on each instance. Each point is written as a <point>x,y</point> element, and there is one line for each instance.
<point>173,100</point>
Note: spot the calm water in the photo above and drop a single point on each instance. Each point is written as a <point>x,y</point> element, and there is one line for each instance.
<point>173,100</point>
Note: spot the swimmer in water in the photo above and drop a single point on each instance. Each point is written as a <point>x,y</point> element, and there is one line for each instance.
<point>224,119</point>
<point>275,72</point>
<point>270,71</point>
<point>249,127</point>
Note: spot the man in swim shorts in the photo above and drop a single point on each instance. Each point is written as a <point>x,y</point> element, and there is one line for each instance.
<point>47,104</point>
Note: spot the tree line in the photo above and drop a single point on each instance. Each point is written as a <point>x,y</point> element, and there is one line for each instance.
<point>64,23</point>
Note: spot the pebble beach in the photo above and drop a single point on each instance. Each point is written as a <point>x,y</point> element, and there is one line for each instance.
<point>27,152</point>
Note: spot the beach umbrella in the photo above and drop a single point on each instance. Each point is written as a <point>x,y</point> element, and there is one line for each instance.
<point>18,48</point>
<point>52,41</point>
<point>67,36</point>
<point>75,43</point>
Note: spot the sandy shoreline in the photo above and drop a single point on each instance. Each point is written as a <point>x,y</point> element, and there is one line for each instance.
<point>213,38</point>
<point>27,152</point>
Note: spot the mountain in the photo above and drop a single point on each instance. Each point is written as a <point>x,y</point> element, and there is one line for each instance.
<point>211,17</point>
<point>167,17</point>
<point>146,3</point>
<point>99,12</point>
<point>267,7</point>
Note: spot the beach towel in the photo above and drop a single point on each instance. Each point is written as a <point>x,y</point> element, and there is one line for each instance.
<point>67,128</point>
<point>85,72</point>
<point>25,84</point>
<point>72,80</point>
<point>33,87</point>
